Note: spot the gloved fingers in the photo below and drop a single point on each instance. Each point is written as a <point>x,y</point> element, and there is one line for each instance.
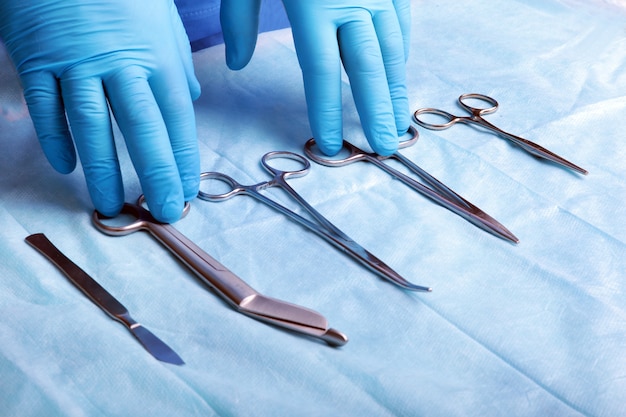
<point>363,61</point>
<point>240,27</point>
<point>403,11</point>
<point>390,39</point>
<point>320,61</point>
<point>89,117</point>
<point>147,140</point>
<point>184,49</point>
<point>43,96</point>
<point>178,114</point>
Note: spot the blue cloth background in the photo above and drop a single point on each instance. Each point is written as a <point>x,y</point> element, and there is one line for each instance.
<point>201,20</point>
<point>537,329</point>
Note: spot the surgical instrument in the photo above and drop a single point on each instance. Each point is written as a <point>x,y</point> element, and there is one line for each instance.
<point>103,299</point>
<point>434,189</point>
<point>230,287</point>
<point>323,228</point>
<point>476,118</point>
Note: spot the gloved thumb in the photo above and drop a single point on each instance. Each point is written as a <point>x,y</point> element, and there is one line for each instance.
<point>240,27</point>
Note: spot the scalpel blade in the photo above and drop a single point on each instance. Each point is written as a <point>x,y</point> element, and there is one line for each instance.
<point>155,346</point>
<point>103,299</point>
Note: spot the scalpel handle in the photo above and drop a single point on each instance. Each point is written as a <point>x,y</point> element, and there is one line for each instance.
<point>78,277</point>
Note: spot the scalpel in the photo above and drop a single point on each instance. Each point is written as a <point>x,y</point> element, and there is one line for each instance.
<point>103,299</point>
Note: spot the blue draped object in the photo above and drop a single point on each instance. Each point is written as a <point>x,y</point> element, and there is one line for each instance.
<point>202,20</point>
<point>534,329</point>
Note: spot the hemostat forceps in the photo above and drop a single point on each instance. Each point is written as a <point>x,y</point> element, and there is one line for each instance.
<point>230,287</point>
<point>476,118</point>
<point>433,189</point>
<point>322,228</point>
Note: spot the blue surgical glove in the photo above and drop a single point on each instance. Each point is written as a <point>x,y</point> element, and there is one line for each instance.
<point>370,38</point>
<point>77,58</point>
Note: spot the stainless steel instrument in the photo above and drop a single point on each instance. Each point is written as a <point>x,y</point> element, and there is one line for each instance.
<point>230,287</point>
<point>432,188</point>
<point>103,299</point>
<point>476,118</point>
<point>319,225</point>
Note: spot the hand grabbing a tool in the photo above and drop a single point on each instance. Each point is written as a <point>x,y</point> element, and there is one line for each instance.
<point>369,37</point>
<point>78,58</point>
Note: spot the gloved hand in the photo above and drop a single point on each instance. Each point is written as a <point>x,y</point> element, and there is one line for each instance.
<point>370,38</point>
<point>77,58</point>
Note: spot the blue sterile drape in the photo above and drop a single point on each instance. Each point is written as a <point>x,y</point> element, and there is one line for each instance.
<point>534,329</point>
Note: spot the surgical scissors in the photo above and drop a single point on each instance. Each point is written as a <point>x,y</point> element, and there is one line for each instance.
<point>323,228</point>
<point>434,189</point>
<point>230,287</point>
<point>476,118</point>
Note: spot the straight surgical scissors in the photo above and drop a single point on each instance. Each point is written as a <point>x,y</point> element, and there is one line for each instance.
<point>476,118</point>
<point>434,189</point>
<point>230,287</point>
<point>323,228</point>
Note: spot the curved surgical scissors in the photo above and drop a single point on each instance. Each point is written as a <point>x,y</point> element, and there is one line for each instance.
<point>322,228</point>
<point>476,118</point>
<point>434,189</point>
<point>230,287</point>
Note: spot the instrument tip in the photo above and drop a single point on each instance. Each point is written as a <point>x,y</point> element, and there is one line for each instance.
<point>334,337</point>
<point>172,358</point>
<point>413,287</point>
<point>502,232</point>
<point>513,239</point>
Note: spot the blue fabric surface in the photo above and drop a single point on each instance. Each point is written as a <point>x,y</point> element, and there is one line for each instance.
<point>202,20</point>
<point>534,329</point>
